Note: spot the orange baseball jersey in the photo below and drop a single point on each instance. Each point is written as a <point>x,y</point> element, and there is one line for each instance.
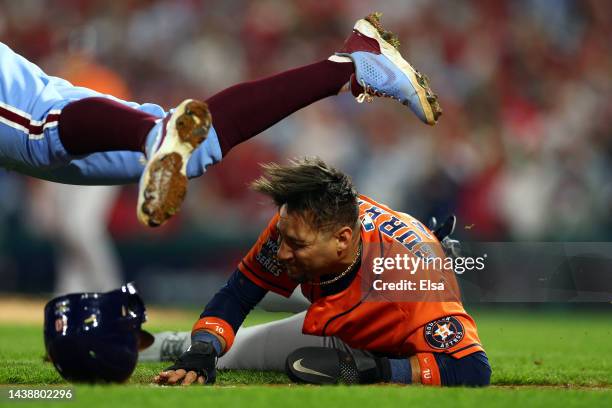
<point>399,328</point>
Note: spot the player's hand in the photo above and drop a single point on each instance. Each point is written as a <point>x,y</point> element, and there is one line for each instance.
<point>445,229</point>
<point>197,364</point>
<point>452,247</point>
<point>176,377</point>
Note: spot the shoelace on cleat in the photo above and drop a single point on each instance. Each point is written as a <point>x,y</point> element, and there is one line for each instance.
<point>369,93</point>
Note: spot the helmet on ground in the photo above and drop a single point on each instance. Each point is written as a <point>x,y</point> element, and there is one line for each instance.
<point>95,337</point>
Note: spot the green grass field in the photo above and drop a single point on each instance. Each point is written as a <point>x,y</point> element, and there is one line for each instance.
<point>539,358</point>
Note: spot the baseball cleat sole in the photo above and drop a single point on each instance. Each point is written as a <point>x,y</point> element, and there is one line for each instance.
<point>163,184</point>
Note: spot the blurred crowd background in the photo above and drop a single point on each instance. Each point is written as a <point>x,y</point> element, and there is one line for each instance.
<point>523,151</point>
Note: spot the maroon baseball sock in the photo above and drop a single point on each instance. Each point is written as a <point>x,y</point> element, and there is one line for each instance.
<point>247,109</point>
<point>100,124</point>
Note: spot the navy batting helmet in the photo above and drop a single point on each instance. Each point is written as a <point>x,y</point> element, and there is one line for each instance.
<point>95,337</point>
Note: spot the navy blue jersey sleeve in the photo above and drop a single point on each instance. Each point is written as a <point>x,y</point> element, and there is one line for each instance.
<point>472,370</point>
<point>235,300</point>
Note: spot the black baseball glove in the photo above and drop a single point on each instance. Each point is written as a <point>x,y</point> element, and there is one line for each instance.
<point>452,247</point>
<point>201,357</point>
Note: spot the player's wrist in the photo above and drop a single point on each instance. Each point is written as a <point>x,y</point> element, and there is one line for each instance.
<point>217,327</point>
<point>205,336</point>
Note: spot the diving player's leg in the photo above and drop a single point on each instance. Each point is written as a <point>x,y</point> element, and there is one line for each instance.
<point>106,168</point>
<point>239,113</point>
<point>369,61</point>
<point>266,346</point>
<point>261,347</point>
<point>102,124</point>
<point>245,110</point>
<point>93,124</point>
<point>29,113</point>
<point>36,107</point>
<point>45,122</point>
<point>122,167</point>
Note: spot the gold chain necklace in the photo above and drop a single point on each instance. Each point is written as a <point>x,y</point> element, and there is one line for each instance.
<point>335,278</point>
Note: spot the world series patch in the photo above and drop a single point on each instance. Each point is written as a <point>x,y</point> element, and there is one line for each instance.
<point>267,257</point>
<point>443,333</point>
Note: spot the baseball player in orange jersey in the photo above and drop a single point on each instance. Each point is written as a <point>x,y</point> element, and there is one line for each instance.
<point>323,238</point>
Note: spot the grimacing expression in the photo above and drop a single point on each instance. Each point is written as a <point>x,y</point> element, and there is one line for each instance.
<point>305,252</point>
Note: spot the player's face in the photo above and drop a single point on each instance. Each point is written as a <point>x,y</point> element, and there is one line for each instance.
<point>305,252</point>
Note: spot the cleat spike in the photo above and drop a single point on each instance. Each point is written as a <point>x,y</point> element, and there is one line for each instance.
<point>388,36</point>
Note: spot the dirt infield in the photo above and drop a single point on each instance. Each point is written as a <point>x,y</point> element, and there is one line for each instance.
<point>16,310</point>
<point>29,310</point>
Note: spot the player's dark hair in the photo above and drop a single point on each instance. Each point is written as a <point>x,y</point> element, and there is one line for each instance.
<point>323,194</point>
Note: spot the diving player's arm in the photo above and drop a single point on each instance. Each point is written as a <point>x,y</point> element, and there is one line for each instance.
<point>213,334</point>
<point>257,273</point>
<point>226,312</point>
